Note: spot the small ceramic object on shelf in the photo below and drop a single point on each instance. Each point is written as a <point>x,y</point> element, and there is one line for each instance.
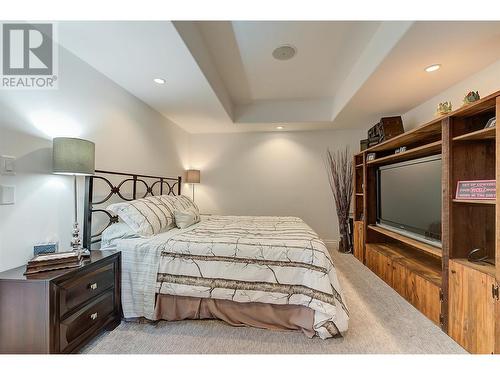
<point>443,108</point>
<point>471,97</point>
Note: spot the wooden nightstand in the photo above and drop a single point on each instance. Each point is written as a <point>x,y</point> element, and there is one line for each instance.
<point>60,311</point>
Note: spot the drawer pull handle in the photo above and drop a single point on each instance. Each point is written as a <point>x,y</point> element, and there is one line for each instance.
<point>93,286</point>
<point>93,316</point>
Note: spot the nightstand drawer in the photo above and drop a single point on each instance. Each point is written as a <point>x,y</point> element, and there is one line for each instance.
<point>81,289</point>
<point>86,320</point>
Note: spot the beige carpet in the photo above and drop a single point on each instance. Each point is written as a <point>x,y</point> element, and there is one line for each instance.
<point>380,322</point>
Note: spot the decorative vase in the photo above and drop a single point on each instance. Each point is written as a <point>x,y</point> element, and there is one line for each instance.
<point>340,173</point>
<point>344,240</point>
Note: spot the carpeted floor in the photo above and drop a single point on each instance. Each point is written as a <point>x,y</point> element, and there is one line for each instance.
<point>380,322</point>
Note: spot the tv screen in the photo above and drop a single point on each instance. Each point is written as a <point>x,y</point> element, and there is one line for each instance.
<point>409,198</point>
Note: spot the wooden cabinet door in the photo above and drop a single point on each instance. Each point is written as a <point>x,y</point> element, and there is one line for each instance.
<point>372,260</point>
<point>471,320</point>
<point>385,269</point>
<point>420,292</point>
<point>424,295</point>
<point>358,241</point>
<point>399,275</point>
<point>380,265</point>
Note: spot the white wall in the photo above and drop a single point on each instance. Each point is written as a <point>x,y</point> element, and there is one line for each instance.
<point>486,81</point>
<point>280,173</point>
<point>129,136</point>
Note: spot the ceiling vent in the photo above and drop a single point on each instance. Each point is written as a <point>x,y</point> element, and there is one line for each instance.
<point>284,52</point>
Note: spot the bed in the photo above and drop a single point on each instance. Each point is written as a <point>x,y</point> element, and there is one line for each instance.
<point>260,271</point>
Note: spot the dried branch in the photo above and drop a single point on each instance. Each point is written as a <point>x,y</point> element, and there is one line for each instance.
<point>340,177</point>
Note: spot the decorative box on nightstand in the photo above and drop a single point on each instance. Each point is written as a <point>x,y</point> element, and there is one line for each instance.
<point>60,311</point>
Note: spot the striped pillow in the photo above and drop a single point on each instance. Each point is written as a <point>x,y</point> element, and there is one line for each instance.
<point>146,216</point>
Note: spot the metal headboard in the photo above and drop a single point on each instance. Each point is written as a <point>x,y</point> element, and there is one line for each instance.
<point>167,186</point>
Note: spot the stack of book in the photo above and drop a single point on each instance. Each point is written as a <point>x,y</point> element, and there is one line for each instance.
<point>52,262</point>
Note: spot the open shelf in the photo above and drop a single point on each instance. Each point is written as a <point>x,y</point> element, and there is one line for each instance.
<point>426,267</point>
<point>483,134</point>
<point>431,131</point>
<point>475,201</point>
<point>485,268</point>
<point>358,186</point>
<point>428,249</point>
<point>425,150</point>
<point>482,105</point>
<point>422,134</point>
<point>358,160</point>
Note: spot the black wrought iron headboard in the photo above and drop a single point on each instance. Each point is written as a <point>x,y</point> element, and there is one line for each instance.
<point>167,186</point>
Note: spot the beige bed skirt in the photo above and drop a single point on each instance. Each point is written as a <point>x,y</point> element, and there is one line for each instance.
<point>251,314</point>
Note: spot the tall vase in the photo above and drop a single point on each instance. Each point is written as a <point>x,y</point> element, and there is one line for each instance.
<point>344,243</point>
<point>340,176</point>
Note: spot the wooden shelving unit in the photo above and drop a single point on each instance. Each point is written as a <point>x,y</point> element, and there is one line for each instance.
<point>420,135</point>
<point>359,205</point>
<point>425,248</point>
<point>432,148</point>
<point>359,183</point>
<point>460,296</point>
<point>482,134</point>
<point>423,266</point>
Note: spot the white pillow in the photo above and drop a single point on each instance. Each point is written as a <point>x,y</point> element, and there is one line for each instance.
<point>146,216</point>
<point>183,203</point>
<point>184,219</point>
<point>115,232</point>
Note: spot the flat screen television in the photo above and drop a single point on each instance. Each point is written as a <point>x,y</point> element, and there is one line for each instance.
<point>409,198</point>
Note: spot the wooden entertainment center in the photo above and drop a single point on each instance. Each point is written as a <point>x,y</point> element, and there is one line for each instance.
<point>460,296</point>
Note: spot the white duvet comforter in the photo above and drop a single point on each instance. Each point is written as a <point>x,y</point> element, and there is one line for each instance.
<point>277,260</point>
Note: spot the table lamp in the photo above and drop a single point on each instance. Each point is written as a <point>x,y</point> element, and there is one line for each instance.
<point>76,157</point>
<point>193,177</point>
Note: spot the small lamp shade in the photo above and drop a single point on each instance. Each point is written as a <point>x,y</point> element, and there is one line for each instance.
<point>193,176</point>
<point>73,156</point>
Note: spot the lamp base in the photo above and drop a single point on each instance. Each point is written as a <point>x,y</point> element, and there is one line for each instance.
<point>84,253</point>
<point>76,243</point>
<point>75,240</point>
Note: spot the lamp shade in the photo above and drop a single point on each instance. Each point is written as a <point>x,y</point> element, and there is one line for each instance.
<point>73,156</point>
<point>193,176</point>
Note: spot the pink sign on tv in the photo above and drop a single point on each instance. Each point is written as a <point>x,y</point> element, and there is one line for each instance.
<point>479,189</point>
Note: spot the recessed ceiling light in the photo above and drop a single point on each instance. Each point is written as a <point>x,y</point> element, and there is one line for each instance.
<point>159,81</point>
<point>279,127</point>
<point>285,52</point>
<point>432,68</point>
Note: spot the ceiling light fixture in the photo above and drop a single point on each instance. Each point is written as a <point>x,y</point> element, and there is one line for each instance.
<point>159,81</point>
<point>285,52</point>
<point>279,127</point>
<point>432,68</point>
